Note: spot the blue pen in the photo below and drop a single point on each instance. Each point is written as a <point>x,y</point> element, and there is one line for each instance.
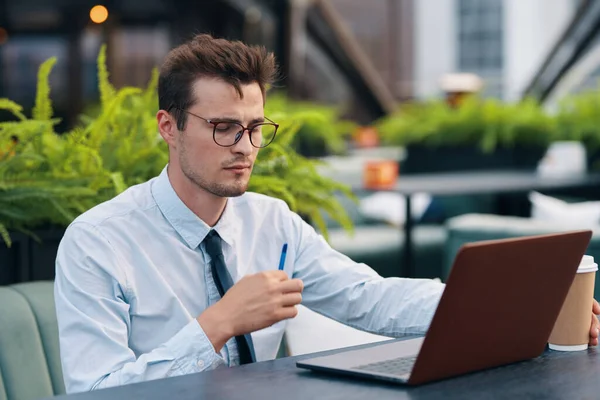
<point>283,256</point>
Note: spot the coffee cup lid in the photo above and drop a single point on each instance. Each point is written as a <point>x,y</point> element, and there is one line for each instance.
<point>587,265</point>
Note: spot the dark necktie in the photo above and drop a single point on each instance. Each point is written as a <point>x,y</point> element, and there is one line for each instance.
<point>223,281</point>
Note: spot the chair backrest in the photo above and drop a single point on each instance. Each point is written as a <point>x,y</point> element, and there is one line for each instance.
<point>29,352</point>
<point>476,227</point>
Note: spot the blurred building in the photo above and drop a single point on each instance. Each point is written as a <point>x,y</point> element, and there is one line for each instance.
<point>319,56</point>
<point>503,41</point>
<point>385,31</point>
<point>138,34</point>
<point>365,55</point>
<point>573,64</point>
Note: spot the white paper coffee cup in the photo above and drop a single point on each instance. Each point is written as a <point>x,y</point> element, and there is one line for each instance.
<point>572,328</point>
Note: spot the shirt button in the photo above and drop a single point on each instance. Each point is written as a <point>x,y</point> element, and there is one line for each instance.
<point>200,363</point>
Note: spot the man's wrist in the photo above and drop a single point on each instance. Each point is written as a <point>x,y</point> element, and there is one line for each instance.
<point>216,326</point>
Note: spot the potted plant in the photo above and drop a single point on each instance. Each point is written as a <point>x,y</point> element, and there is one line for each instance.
<point>578,118</point>
<point>476,134</point>
<point>323,130</point>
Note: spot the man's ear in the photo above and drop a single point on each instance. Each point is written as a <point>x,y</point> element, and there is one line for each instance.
<point>167,127</point>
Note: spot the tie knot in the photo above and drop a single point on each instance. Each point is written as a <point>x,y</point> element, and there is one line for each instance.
<point>212,243</point>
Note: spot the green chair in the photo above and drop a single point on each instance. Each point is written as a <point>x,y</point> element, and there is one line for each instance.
<point>380,245</point>
<point>29,353</point>
<point>477,227</point>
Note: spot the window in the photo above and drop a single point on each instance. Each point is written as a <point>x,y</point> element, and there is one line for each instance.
<point>480,41</point>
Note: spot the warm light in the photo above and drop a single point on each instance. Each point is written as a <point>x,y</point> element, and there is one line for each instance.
<point>98,14</point>
<point>3,35</point>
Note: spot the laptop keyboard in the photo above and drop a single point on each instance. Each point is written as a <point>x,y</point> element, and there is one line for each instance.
<point>396,366</point>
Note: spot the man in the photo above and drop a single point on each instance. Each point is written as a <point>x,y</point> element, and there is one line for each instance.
<point>180,274</point>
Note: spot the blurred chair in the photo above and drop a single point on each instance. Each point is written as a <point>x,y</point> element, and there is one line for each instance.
<point>29,353</point>
<point>477,227</point>
<point>381,248</point>
<point>30,365</point>
<point>380,245</point>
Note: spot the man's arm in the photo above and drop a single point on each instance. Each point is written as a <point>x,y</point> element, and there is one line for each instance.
<point>355,295</point>
<point>92,305</point>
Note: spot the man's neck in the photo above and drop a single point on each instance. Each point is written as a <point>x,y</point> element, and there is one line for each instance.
<point>205,205</point>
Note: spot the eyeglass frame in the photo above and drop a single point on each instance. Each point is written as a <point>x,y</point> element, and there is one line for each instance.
<point>244,129</point>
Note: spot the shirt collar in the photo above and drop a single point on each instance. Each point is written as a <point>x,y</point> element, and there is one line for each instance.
<point>187,224</point>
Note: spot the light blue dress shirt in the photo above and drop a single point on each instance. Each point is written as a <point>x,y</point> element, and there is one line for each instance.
<point>132,276</point>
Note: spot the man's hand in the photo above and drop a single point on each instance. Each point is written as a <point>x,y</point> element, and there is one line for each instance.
<point>255,302</point>
<point>595,324</point>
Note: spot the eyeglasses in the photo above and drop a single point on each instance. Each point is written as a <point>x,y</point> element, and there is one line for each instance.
<point>228,133</point>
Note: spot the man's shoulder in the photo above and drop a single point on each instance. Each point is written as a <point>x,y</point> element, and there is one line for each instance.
<point>134,199</point>
<point>261,203</point>
<point>266,214</point>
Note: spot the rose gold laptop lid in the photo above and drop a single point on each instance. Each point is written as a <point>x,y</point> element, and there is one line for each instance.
<point>500,303</point>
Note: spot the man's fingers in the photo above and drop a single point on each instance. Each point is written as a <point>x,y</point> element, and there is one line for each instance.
<point>596,308</point>
<point>278,275</point>
<point>288,312</point>
<point>291,286</point>
<point>291,299</point>
<point>594,331</point>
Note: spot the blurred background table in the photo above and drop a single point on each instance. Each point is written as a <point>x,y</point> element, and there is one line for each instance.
<point>461,183</point>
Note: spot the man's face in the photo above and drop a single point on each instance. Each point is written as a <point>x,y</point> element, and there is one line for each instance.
<point>222,171</point>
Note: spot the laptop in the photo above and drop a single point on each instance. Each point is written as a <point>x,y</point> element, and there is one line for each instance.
<point>499,306</point>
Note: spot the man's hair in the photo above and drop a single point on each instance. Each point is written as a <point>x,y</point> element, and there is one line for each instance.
<point>206,57</point>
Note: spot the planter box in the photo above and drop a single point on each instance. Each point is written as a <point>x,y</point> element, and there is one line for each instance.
<point>430,159</point>
<point>28,260</point>
<point>422,159</point>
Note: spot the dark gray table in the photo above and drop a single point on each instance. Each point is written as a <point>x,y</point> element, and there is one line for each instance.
<point>463,183</point>
<point>553,375</point>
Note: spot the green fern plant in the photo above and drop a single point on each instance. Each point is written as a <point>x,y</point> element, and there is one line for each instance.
<point>578,117</point>
<point>486,123</point>
<point>47,178</point>
<point>322,129</point>
<point>124,131</point>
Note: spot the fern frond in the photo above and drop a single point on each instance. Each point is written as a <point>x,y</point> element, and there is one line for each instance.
<point>107,91</point>
<point>43,104</point>
<point>29,233</point>
<point>5,235</point>
<point>26,129</point>
<point>150,92</point>
<point>320,224</point>
<point>62,211</point>
<point>273,186</point>
<point>118,182</point>
<point>14,212</point>
<point>22,193</point>
<point>12,107</point>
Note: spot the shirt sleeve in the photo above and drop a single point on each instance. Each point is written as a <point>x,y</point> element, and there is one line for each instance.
<point>354,294</point>
<point>91,297</point>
